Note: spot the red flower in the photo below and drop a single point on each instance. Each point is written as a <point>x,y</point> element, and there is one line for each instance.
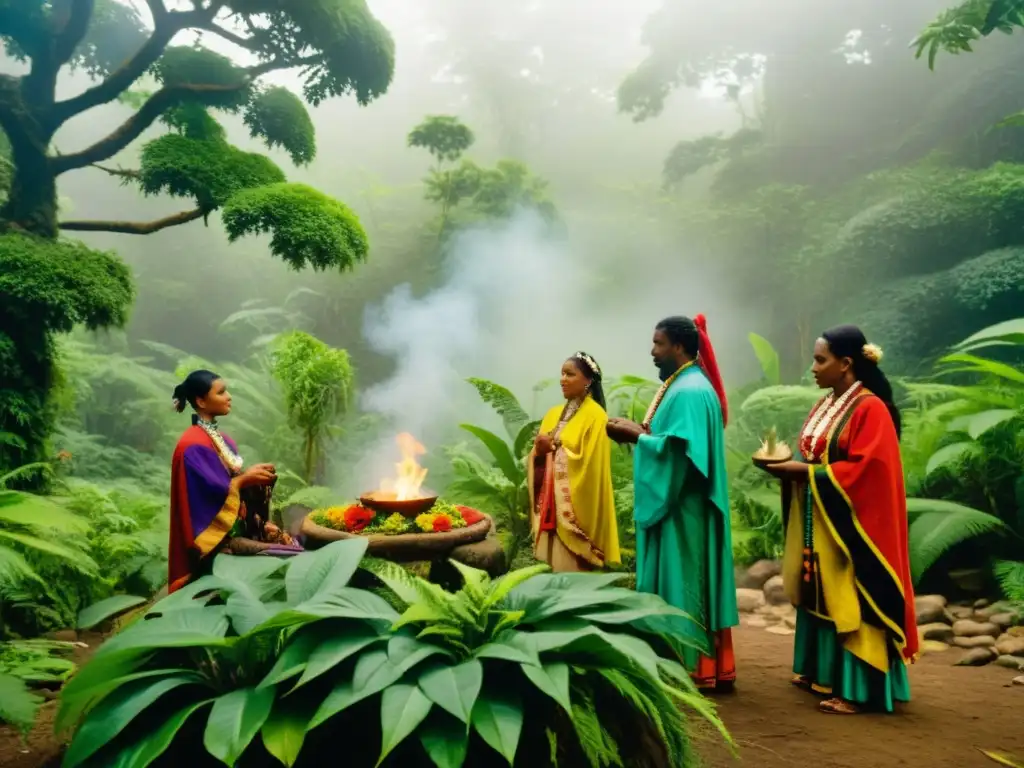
<point>442,524</point>
<point>357,517</point>
<point>470,515</point>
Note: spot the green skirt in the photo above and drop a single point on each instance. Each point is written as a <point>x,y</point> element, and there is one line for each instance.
<point>819,656</point>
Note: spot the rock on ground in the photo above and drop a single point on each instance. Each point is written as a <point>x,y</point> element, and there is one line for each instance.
<point>774,593</point>
<point>976,657</point>
<point>749,600</point>
<point>970,628</point>
<point>936,631</point>
<point>757,575</point>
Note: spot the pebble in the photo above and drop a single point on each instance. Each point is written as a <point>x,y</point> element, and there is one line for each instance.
<point>1017,680</point>
<point>1014,646</point>
<point>930,608</point>
<point>757,622</point>
<point>980,641</point>
<point>749,600</point>
<point>774,592</point>
<point>933,646</point>
<point>757,575</point>
<point>976,657</point>
<point>968,628</point>
<point>961,612</point>
<point>936,631</point>
<point>776,630</point>
<point>1015,663</point>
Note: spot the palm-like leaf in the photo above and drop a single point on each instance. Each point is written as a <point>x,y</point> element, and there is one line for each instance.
<point>937,526</point>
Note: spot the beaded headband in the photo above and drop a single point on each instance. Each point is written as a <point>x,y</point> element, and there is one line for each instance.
<point>590,362</point>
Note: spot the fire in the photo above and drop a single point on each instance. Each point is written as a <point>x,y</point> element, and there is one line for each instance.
<point>408,481</point>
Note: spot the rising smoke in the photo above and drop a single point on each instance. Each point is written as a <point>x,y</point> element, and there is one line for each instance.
<point>516,300</point>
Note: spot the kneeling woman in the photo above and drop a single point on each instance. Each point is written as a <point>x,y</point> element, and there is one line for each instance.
<point>216,504</point>
<point>846,566</point>
<point>570,476</point>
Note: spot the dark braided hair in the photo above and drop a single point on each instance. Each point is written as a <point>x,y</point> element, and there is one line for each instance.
<point>591,371</point>
<point>850,341</point>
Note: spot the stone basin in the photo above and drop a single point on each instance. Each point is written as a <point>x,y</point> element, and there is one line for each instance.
<point>475,545</point>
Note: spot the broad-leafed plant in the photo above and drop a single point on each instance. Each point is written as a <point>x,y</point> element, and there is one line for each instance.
<point>270,662</point>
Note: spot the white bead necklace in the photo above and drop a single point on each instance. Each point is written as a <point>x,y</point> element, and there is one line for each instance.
<point>653,407</point>
<point>824,417</point>
<point>232,459</point>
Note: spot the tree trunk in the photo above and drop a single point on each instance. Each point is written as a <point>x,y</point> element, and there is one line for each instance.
<point>32,201</point>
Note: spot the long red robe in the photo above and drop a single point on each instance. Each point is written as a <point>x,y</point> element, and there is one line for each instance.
<point>860,484</point>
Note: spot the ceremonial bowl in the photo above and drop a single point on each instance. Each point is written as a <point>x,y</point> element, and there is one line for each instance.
<point>762,460</point>
<point>386,504</point>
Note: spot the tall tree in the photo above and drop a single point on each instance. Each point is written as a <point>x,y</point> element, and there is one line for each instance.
<point>49,284</point>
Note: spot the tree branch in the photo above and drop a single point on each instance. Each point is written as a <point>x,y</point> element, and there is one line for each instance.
<point>124,173</point>
<point>228,35</point>
<point>167,25</point>
<point>74,30</point>
<point>133,127</point>
<point>133,227</point>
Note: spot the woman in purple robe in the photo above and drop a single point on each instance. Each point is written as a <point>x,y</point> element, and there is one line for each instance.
<point>216,504</point>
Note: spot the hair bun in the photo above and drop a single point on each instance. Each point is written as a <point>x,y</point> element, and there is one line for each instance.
<point>872,352</point>
<point>701,322</point>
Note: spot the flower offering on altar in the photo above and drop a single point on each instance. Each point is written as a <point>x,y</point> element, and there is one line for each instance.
<point>356,518</point>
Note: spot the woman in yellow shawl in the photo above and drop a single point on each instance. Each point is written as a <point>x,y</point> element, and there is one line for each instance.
<point>573,510</point>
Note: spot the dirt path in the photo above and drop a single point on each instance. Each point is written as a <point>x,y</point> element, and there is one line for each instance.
<point>955,712</point>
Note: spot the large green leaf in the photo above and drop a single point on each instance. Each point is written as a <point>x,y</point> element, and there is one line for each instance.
<point>768,358</point>
<point>373,673</point>
<point>336,648</point>
<point>552,679</point>
<point>406,652</point>
<point>498,718</point>
<point>402,708</point>
<point>504,402</point>
<point>981,423</point>
<point>456,688</point>
<point>113,714</point>
<point>284,730</point>
<point>937,526</point>
<point>523,443</point>
<point>234,721</point>
<point>181,629</point>
<point>499,449</point>
<point>517,647</point>
<point>953,453</point>
<point>107,609</point>
<point>147,749</point>
<point>105,672</point>
<point>1007,332</point>
<point>501,588</point>
<point>325,571</point>
<point>445,740</point>
<point>18,705</point>
<point>71,557</point>
<point>984,366</point>
<point>255,573</point>
<point>293,659</point>
<point>40,513</point>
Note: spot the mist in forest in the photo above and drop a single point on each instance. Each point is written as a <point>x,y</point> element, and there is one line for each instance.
<point>537,82</point>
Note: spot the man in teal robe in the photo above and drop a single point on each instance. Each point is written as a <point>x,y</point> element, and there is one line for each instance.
<point>681,508</point>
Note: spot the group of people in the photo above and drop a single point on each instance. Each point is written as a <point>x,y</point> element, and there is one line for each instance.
<point>846,567</point>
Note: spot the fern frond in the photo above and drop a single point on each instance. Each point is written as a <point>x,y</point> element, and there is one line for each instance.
<point>1010,574</point>
<point>938,526</point>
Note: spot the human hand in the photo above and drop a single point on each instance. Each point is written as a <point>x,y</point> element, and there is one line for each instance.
<point>543,444</point>
<point>786,470</point>
<point>258,474</point>
<point>624,430</point>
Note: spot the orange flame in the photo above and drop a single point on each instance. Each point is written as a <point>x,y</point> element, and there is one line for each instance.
<point>408,482</point>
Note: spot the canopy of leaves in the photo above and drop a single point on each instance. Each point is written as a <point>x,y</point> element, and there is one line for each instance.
<point>280,118</point>
<point>956,28</point>
<point>689,157</point>
<point>308,228</point>
<point>354,52</point>
<point>490,193</point>
<point>208,171</point>
<point>58,285</point>
<point>444,136</point>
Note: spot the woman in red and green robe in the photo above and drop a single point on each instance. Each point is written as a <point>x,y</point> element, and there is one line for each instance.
<point>846,566</point>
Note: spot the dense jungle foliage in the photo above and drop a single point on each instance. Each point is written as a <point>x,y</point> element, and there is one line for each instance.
<point>801,165</point>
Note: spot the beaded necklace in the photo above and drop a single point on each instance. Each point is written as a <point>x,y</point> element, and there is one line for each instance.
<point>568,412</point>
<point>653,407</point>
<point>233,460</point>
<point>823,418</point>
